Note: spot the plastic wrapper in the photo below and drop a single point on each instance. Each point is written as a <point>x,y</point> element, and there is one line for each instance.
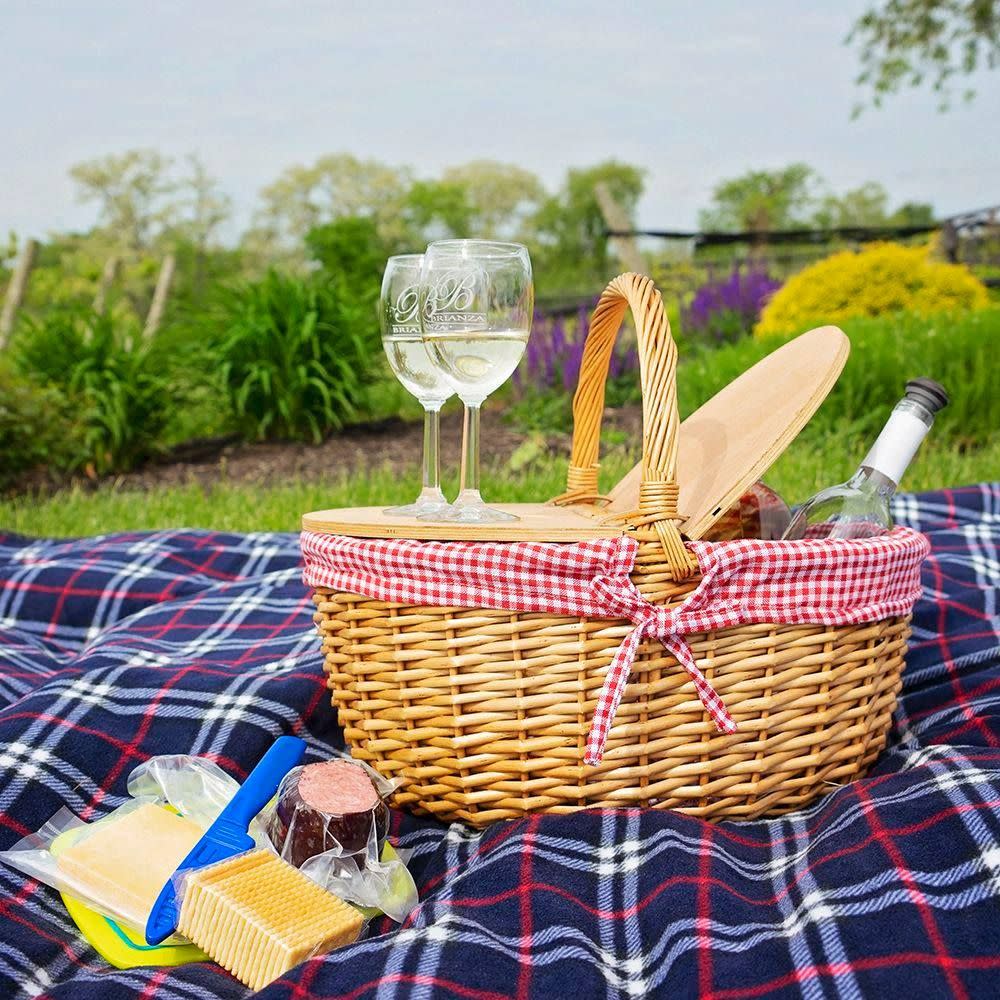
<point>251,938</point>
<point>330,820</point>
<point>115,864</point>
<point>121,873</point>
<point>115,877</point>
<point>197,788</point>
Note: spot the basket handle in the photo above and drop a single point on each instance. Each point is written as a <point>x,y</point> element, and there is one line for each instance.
<point>660,423</point>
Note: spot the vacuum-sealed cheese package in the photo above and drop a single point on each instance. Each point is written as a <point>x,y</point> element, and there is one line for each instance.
<point>118,864</point>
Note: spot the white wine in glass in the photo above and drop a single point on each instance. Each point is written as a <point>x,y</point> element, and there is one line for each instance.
<point>399,306</point>
<point>477,300</point>
<point>477,364</point>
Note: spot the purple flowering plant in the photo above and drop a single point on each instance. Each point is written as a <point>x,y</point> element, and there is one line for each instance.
<point>726,309</point>
<point>554,353</point>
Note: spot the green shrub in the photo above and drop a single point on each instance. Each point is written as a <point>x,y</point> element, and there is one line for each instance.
<point>35,428</point>
<point>959,351</point>
<point>295,355</point>
<point>885,351</point>
<point>351,253</point>
<point>881,279</point>
<point>116,385</point>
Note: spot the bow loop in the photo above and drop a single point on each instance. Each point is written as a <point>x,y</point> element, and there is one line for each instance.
<point>655,621</point>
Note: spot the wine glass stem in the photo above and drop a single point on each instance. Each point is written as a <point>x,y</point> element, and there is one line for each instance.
<point>432,439</point>
<point>470,456</point>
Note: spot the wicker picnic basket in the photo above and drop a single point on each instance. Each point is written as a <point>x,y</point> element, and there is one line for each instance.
<point>483,714</point>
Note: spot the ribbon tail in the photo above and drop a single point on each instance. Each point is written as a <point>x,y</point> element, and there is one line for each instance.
<point>707,694</point>
<point>611,694</point>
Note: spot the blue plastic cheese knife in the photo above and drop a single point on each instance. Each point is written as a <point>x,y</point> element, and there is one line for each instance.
<point>227,836</point>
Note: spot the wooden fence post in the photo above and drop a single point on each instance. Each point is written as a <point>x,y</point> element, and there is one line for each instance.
<point>949,241</point>
<point>16,290</point>
<point>108,276</point>
<point>159,303</point>
<point>617,221</point>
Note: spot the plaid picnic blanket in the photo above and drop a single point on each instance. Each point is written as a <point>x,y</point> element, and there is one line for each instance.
<point>116,648</point>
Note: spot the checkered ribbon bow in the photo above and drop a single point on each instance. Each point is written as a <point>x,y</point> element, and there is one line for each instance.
<point>810,581</point>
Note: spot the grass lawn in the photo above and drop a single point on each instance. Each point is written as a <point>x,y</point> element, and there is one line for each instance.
<point>811,462</point>
<point>963,447</point>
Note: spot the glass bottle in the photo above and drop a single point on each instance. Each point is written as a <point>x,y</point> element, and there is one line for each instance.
<point>859,508</point>
<point>759,513</point>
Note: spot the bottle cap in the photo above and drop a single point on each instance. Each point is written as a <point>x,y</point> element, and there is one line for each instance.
<point>928,393</point>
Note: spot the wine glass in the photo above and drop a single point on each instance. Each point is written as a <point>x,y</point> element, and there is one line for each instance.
<point>476,307</point>
<point>401,337</point>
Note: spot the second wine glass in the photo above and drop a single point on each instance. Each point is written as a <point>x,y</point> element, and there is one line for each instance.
<point>477,300</point>
<point>399,306</point>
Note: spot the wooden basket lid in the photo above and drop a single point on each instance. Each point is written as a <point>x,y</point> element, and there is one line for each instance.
<point>538,523</point>
<point>730,441</point>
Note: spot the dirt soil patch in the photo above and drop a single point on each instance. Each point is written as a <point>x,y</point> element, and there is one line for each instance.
<point>395,443</point>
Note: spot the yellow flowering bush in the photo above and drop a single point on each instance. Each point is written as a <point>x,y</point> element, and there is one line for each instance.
<point>880,278</point>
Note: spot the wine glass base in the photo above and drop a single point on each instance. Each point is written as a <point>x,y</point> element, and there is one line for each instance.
<point>420,508</point>
<point>471,514</point>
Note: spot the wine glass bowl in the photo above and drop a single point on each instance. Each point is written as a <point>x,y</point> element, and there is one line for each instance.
<point>476,303</point>
<point>399,307</point>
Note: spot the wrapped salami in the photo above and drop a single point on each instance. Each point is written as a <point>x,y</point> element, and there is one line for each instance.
<point>331,807</point>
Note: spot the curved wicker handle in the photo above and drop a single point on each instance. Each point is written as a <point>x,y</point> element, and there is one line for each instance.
<point>657,373</point>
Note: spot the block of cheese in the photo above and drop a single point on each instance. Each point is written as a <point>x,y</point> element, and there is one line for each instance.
<point>258,917</point>
<point>123,862</point>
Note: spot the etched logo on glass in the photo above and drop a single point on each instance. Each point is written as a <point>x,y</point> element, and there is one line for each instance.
<point>450,298</point>
<point>404,311</point>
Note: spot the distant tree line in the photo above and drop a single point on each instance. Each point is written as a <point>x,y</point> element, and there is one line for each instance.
<point>348,214</point>
<point>796,197</point>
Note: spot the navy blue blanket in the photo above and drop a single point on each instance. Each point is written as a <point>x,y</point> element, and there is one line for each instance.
<point>116,648</point>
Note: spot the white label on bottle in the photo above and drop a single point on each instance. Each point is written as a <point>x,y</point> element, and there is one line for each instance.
<point>896,445</point>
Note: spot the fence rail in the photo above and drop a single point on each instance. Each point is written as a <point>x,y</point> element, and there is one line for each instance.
<point>861,234</point>
<point>971,238</point>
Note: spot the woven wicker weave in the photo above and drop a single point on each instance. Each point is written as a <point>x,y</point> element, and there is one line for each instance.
<point>483,714</point>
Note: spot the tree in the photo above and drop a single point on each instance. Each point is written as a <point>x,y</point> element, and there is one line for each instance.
<point>501,197</point>
<point>335,187</point>
<point>202,206</point>
<point>146,209</point>
<point>866,205</point>
<point>141,200</point>
<point>133,191</point>
<point>913,213</point>
<point>8,251</point>
<point>351,252</point>
<point>762,200</point>
<point>570,238</point>
<point>437,210</point>
<point>904,43</point>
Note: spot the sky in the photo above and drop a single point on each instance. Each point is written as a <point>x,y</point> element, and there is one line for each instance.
<point>691,92</point>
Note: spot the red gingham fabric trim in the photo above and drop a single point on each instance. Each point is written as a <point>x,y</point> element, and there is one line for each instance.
<point>788,583</point>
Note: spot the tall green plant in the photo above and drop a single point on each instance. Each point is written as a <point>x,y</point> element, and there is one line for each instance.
<point>35,428</point>
<point>295,355</point>
<point>117,386</point>
<point>956,349</point>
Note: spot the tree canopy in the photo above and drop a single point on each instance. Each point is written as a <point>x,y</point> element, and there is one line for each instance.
<point>142,198</point>
<point>336,186</point>
<point>346,215</point>
<point>763,200</point>
<point>796,197</point>
<point>569,227</point>
<point>906,43</point>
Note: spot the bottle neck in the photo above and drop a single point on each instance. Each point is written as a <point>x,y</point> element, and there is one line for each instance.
<point>887,460</point>
<point>872,481</point>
